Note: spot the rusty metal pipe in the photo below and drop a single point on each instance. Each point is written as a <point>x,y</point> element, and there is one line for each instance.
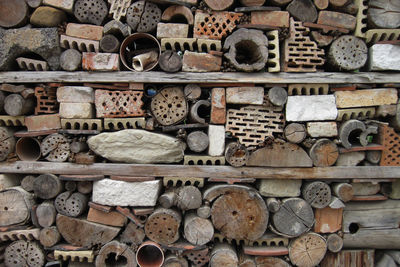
<point>28,149</point>
<point>150,254</point>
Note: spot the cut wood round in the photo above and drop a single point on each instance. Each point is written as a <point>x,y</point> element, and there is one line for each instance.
<point>236,154</point>
<point>55,147</point>
<point>204,211</point>
<point>91,11</point>
<point>170,61</point>
<point>172,260</point>
<point>132,234</point>
<point>49,236</point>
<point>321,4</point>
<point>198,231</point>
<point>277,96</point>
<point>76,204</point>
<point>303,10</point>
<point>322,39</point>
<point>317,194</point>
<point>240,213</point>
<point>334,243</point>
<point>223,255</point>
<point>279,2</point>
<point>188,198</point>
<point>343,191</point>
<point>13,13</point>
<point>85,187</point>
<point>27,183</point>
<point>373,156</point>
<point>273,204</point>
<point>192,91</point>
<point>115,253</point>
<point>15,206</point>
<point>162,226</point>
<point>109,43</point>
<point>294,217</point>
<point>307,250</point>
<point>7,142</point>
<point>46,214</point>
<point>324,153</point>
<point>384,14</point>
<point>219,5</point>
<point>47,186</point>
<point>347,53</point>
<point>246,260</point>
<point>197,141</point>
<point>195,111</point>
<point>338,3</point>
<point>169,106</point>
<point>168,199</point>
<point>271,261</point>
<point>143,16</point>
<point>24,253</point>
<point>252,2</point>
<point>295,133</point>
<point>16,105</point>
<point>70,185</point>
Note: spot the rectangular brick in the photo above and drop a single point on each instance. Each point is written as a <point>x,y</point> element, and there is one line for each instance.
<point>366,98</point>
<point>328,220</point>
<point>337,19</point>
<point>100,61</point>
<point>245,95</point>
<point>172,30</point>
<point>271,18</point>
<point>76,110</point>
<point>112,218</point>
<point>75,94</point>
<point>201,62</point>
<point>43,122</point>
<point>85,31</point>
<point>111,104</point>
<point>218,106</point>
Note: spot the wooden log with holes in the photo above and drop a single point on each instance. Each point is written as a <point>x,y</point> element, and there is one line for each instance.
<point>15,205</point>
<point>317,194</point>
<point>223,255</point>
<point>307,250</point>
<point>197,230</point>
<point>7,142</point>
<point>71,204</point>
<point>46,214</point>
<point>120,250</point>
<point>20,252</point>
<point>324,153</point>
<point>49,236</point>
<point>55,148</point>
<point>162,226</point>
<point>236,154</point>
<point>343,191</point>
<point>47,186</point>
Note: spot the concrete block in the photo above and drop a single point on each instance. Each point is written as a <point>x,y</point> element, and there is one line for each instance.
<point>43,122</point>
<point>66,5</point>
<point>311,108</point>
<point>337,19</point>
<point>216,135</point>
<point>366,98</point>
<point>279,188</point>
<point>201,62</point>
<point>350,158</point>
<point>85,31</point>
<point>218,106</point>
<point>245,95</point>
<point>384,57</point>
<point>75,94</point>
<point>76,110</point>
<point>271,18</point>
<point>322,129</point>
<point>100,61</point>
<point>172,30</point>
<point>119,193</point>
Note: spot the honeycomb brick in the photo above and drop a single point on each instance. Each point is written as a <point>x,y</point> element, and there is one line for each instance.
<point>253,124</point>
<point>273,62</point>
<point>80,44</point>
<point>32,64</point>
<point>12,120</point>
<point>178,44</point>
<point>355,113</point>
<point>391,141</point>
<point>214,25</point>
<point>124,123</point>
<point>362,18</point>
<point>308,89</point>
<point>180,181</point>
<point>377,35</point>
<point>203,160</point>
<point>300,54</point>
<point>46,100</point>
<point>82,124</point>
<point>117,104</point>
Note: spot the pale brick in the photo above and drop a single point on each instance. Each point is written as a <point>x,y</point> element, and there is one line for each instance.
<point>311,108</point>
<point>76,110</point>
<point>271,18</point>
<point>337,19</point>
<point>384,57</point>
<point>100,61</point>
<point>279,188</point>
<point>172,30</point>
<point>216,135</point>
<point>66,5</point>
<point>245,95</point>
<point>119,193</point>
<point>201,62</point>
<point>43,122</point>
<point>75,94</point>
<point>85,31</point>
<point>366,98</point>
<point>322,129</point>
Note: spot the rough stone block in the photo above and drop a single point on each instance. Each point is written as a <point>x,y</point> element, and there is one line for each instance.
<point>75,94</point>
<point>201,62</point>
<point>245,95</point>
<point>386,110</point>
<point>43,122</point>
<point>350,158</point>
<point>119,193</point>
<point>366,98</point>
<point>76,110</point>
<point>322,129</point>
<point>218,106</point>
<point>66,5</point>
<point>100,61</point>
<point>337,19</point>
<point>85,31</point>
<point>279,188</point>
<point>384,57</point>
<point>311,108</point>
<point>216,135</point>
<point>172,30</point>
<point>271,18</point>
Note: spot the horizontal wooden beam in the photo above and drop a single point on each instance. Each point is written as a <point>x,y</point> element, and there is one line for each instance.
<point>144,170</point>
<point>188,77</point>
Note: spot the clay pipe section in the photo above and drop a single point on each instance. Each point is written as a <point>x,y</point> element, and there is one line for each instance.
<point>28,149</point>
<point>150,254</point>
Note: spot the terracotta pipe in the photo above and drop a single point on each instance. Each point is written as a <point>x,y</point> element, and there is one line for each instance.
<point>150,254</point>
<point>28,149</point>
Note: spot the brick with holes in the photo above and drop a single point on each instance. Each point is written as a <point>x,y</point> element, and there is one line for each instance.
<point>391,140</point>
<point>43,122</point>
<point>75,94</point>
<point>214,25</point>
<point>114,104</point>
<point>46,100</point>
<point>80,44</point>
<point>100,61</point>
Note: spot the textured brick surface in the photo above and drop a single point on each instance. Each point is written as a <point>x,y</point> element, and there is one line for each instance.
<point>271,18</point>
<point>391,140</point>
<point>203,160</point>
<point>178,181</point>
<point>205,45</point>
<point>366,98</point>
<point>215,25</point>
<point>273,63</point>
<point>218,106</point>
<point>337,19</point>
<point>201,62</point>
<point>124,123</point>
<point>85,31</point>
<point>112,104</point>
<point>178,44</point>
<point>46,100</point>
<point>376,35</point>
<point>42,122</point>
<point>32,64</point>
<point>328,220</point>
<point>12,120</point>
<point>82,124</point>
<point>80,44</point>
<point>100,61</point>
<point>355,113</point>
<point>172,30</point>
<point>308,89</point>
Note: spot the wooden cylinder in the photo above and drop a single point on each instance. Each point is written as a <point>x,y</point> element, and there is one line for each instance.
<point>273,204</point>
<point>219,5</point>
<point>204,211</point>
<point>85,187</point>
<point>70,186</point>
<point>192,91</point>
<point>47,186</point>
<point>307,250</point>
<point>277,96</point>
<point>383,14</point>
<point>15,205</point>
<point>20,252</point>
<point>236,154</point>
<point>168,199</point>
<point>317,194</point>
<point>132,234</point>
<point>124,256</point>
<point>334,243</point>
<point>321,4</point>
<point>76,204</point>
<point>223,255</point>
<point>343,191</point>
<point>55,148</point>
<point>49,236</point>
<point>16,105</point>
<point>198,231</point>
<point>324,153</point>
<point>150,254</point>
<point>197,141</point>
<point>7,142</point>
<point>27,183</point>
<point>162,226</point>
<point>46,214</point>
<point>109,43</point>
<point>338,3</point>
<point>188,198</point>
<point>373,156</point>
<point>170,61</point>
<point>280,2</point>
<point>295,133</point>
<point>347,53</point>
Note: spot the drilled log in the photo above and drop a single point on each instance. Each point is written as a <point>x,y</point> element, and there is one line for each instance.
<point>49,236</point>
<point>334,243</point>
<point>223,255</point>
<point>162,226</point>
<point>16,105</point>
<point>317,194</point>
<point>343,191</point>
<point>198,231</point>
<point>197,141</point>
<point>20,252</point>
<point>307,250</point>
<point>55,148</point>
<point>170,61</point>
<point>324,153</point>
<point>123,255</point>
<point>15,205</point>
<point>47,186</point>
<point>143,16</point>
<point>7,142</point>
<point>347,53</point>
<point>46,214</point>
<point>219,5</point>
<point>188,198</point>
<point>71,204</point>
<point>236,154</point>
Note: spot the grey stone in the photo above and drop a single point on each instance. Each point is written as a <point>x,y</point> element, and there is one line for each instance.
<point>279,188</point>
<point>137,146</point>
<point>120,193</point>
<point>350,158</point>
<point>75,94</point>
<point>15,42</point>
<point>71,60</point>
<point>311,108</point>
<point>384,57</point>
<point>116,27</point>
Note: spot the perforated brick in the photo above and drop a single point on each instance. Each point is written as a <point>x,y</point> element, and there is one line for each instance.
<point>119,8</point>
<point>82,124</point>
<point>355,113</point>
<point>180,181</point>
<point>391,141</point>
<point>300,54</point>
<point>113,104</point>
<point>214,25</point>
<point>46,100</point>
<point>178,44</point>
<point>124,123</point>
<point>80,44</point>
<point>362,18</point>
<point>377,35</point>
<point>270,240</point>
<point>308,89</point>
<point>76,256</point>
<point>203,160</point>
<point>32,64</point>
<point>205,45</point>
<point>273,62</point>
<point>198,258</point>
<point>12,120</point>
<point>253,124</point>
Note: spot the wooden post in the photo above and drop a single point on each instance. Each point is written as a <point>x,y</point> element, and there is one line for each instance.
<point>277,96</point>
<point>70,186</point>
<point>197,141</point>
<point>307,250</point>
<point>47,186</point>
<point>383,14</point>
<point>46,214</point>
<point>219,5</point>
<point>27,183</point>
<point>273,204</point>
<point>198,231</point>
<point>7,142</point>
<point>188,198</point>
<point>324,153</point>
<point>347,53</point>
<point>55,147</point>
<point>168,199</point>
<point>338,3</point>
<point>71,204</point>
<point>192,91</point>
<point>334,243</point>
<point>77,146</point>
<point>343,191</point>
<point>170,61</point>
<point>223,255</point>
<point>49,236</point>
<point>295,133</point>
<point>109,43</point>
<point>204,211</point>
<point>318,194</point>
<point>16,105</point>
<point>20,252</point>
<point>85,187</point>
<point>321,4</point>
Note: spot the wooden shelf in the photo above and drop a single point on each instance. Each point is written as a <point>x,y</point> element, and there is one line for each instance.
<point>146,170</point>
<point>188,77</point>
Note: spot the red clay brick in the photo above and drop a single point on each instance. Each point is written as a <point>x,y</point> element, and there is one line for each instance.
<point>271,18</point>
<point>114,104</point>
<point>43,122</point>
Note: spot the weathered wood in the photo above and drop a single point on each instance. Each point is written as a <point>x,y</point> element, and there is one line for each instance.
<point>112,218</point>
<point>280,2</point>
<point>295,133</point>
<point>15,206</point>
<point>246,260</point>
<point>395,121</point>
<point>197,141</point>
<point>271,261</point>
<point>71,204</point>
<point>124,255</point>
<point>223,255</point>
<point>307,250</point>
<point>373,156</point>
<point>277,96</point>
<point>317,194</point>
<point>168,199</point>
<point>273,204</point>
<point>16,105</point>
<point>252,3</point>
<point>170,61</point>
<point>47,186</point>
<point>70,186</point>
<point>395,255</point>
<point>324,153</point>
<point>55,148</point>
<point>86,234</point>
<point>375,238</point>
<point>132,234</point>
<point>188,198</point>
<point>204,211</point>
<point>109,43</point>
<point>338,3</point>
<point>366,188</point>
<point>384,260</point>
<point>197,230</point>
<point>192,91</point>
<point>384,14</point>
<point>172,260</point>
<point>162,226</point>
<point>219,5</point>
<point>236,154</point>
<point>334,243</point>
<point>7,142</point>
<point>356,258</point>
<point>13,13</point>
<point>46,214</point>
<point>293,211</point>
<point>20,252</point>
<point>85,187</point>
<point>49,236</point>
<point>77,146</point>
<point>321,4</point>
<point>303,10</point>
<point>343,191</point>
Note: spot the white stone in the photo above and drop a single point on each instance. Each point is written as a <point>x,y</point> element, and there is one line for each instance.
<point>384,57</point>
<point>75,94</point>
<point>137,146</point>
<point>216,135</point>
<point>322,129</point>
<point>350,158</point>
<point>119,193</point>
<point>279,188</point>
<point>311,108</point>
<point>76,110</point>
<point>245,95</point>
<point>66,5</point>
